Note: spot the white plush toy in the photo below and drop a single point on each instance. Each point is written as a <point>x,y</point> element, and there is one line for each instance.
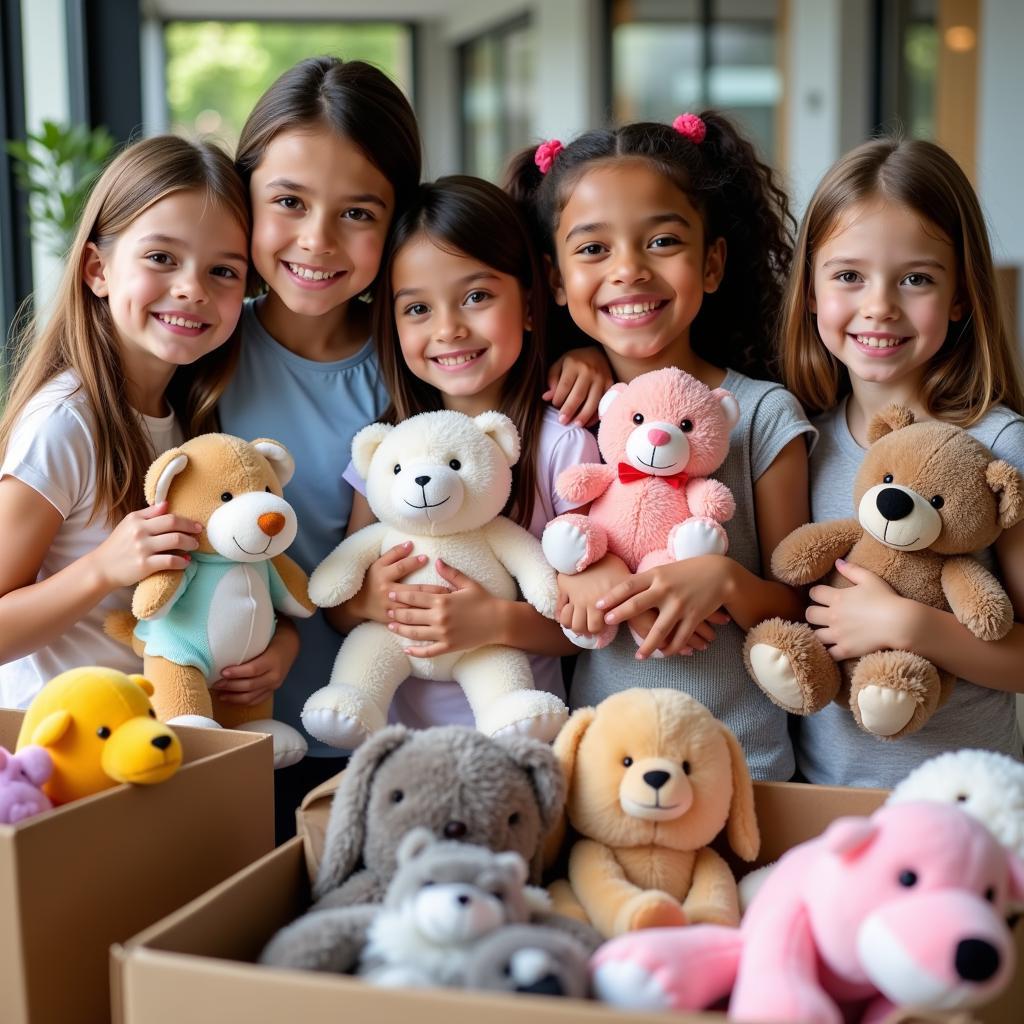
<point>439,480</point>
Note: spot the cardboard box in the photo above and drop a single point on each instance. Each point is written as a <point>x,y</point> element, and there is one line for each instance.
<point>196,965</point>
<point>80,877</point>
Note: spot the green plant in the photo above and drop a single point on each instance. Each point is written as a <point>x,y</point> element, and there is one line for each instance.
<point>57,167</point>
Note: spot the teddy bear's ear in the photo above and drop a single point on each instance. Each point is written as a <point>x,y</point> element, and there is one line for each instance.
<point>346,829</point>
<point>161,473</point>
<point>741,828</point>
<point>847,837</point>
<point>143,684</point>
<point>539,763</point>
<point>608,398</point>
<point>280,459</point>
<point>502,431</point>
<point>414,843</point>
<point>729,405</point>
<point>1004,481</point>
<point>514,866</point>
<point>366,443</point>
<point>892,417</point>
<point>51,728</point>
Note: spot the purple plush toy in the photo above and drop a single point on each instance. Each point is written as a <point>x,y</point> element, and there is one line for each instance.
<point>21,775</point>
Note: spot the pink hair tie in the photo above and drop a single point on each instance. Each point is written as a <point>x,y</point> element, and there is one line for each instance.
<point>692,127</point>
<point>546,153</point>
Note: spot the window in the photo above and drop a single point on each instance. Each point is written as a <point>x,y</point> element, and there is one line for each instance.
<point>497,95</point>
<point>217,70</point>
<point>671,56</point>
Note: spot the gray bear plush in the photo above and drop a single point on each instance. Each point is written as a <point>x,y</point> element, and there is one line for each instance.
<point>505,794</point>
<point>444,898</point>
<point>531,959</point>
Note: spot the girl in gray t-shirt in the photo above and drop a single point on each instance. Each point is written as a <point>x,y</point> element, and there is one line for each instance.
<point>893,299</point>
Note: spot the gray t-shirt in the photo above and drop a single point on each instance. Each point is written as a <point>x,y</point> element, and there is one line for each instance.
<point>831,748</point>
<point>314,409</point>
<point>770,417</point>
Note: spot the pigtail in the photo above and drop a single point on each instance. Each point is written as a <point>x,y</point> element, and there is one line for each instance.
<point>748,208</point>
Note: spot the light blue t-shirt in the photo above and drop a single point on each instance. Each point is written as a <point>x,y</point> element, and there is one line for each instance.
<point>314,409</point>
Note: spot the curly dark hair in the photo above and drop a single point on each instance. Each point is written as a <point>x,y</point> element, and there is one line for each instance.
<point>740,200</point>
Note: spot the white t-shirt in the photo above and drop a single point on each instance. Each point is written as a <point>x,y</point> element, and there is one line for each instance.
<point>52,450</point>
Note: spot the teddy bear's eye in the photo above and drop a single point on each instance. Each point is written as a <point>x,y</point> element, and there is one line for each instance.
<point>151,713</point>
<point>455,464</point>
<point>103,732</point>
<point>498,895</point>
<point>686,426</point>
<point>937,501</point>
<point>908,878</point>
<point>398,469</point>
<point>513,818</point>
<point>638,418</point>
<point>226,496</point>
<point>686,767</point>
<point>427,883</point>
<point>267,489</point>
<point>990,894</point>
<point>397,796</point>
<point>887,479</point>
<point>627,761</point>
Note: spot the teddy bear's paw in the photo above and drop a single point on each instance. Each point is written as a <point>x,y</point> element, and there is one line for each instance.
<point>651,909</point>
<point>342,717</point>
<point>594,642</point>
<point>566,546</point>
<point>629,984</point>
<point>697,536</point>
<point>883,711</point>
<point>773,672</point>
<point>289,745</point>
<point>194,722</point>
<point>534,713</point>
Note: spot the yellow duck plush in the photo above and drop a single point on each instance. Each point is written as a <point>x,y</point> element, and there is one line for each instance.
<point>100,730</point>
<point>652,778</point>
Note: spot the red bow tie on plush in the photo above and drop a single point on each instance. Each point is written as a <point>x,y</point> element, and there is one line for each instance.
<point>628,474</point>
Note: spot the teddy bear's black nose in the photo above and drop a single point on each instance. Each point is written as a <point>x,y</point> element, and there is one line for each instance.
<point>656,779</point>
<point>454,829</point>
<point>423,480</point>
<point>161,742</point>
<point>894,504</point>
<point>976,959</point>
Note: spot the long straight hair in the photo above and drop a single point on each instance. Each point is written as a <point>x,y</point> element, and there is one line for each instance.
<point>977,365</point>
<point>471,217</point>
<point>79,334</point>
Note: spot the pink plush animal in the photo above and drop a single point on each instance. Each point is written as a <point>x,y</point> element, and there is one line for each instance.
<point>903,909</point>
<point>21,775</point>
<point>660,436</point>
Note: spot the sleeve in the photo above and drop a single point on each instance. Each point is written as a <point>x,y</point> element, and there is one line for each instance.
<point>52,450</point>
<point>1008,444</point>
<point>778,418</point>
<point>574,447</point>
<point>353,479</point>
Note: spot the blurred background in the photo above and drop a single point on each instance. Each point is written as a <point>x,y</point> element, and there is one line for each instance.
<point>808,79</point>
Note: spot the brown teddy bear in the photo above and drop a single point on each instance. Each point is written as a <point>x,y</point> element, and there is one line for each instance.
<point>927,495</point>
<point>188,624</point>
<point>652,778</point>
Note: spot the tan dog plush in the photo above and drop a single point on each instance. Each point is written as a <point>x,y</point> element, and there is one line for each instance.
<point>190,624</point>
<point>652,777</point>
<point>927,495</point>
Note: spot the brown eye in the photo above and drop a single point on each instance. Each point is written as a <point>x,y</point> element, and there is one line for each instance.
<point>638,418</point>
<point>627,761</point>
<point>455,464</point>
<point>103,732</point>
<point>397,796</point>
<point>686,767</point>
<point>513,818</point>
<point>937,501</point>
<point>686,426</point>
<point>887,479</point>
<point>226,496</point>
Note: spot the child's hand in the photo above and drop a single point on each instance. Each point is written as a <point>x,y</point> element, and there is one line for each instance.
<point>854,621</point>
<point>453,620</point>
<point>372,603</point>
<point>576,383</point>
<point>143,543</point>
<point>253,681</point>
<point>578,594</point>
<point>684,595</point>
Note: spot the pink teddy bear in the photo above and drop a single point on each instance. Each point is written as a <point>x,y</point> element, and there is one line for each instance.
<point>906,908</point>
<point>21,775</point>
<point>660,436</point>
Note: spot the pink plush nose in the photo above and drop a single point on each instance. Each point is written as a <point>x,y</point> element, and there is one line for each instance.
<point>658,437</point>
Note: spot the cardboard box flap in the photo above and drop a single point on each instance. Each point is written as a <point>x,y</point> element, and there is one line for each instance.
<point>311,820</point>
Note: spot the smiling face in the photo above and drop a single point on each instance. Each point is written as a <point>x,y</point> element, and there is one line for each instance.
<point>884,293</point>
<point>321,211</point>
<point>174,281</point>
<point>634,263</point>
<point>460,323</point>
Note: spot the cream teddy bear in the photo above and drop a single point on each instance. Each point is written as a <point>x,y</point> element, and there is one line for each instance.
<point>439,480</point>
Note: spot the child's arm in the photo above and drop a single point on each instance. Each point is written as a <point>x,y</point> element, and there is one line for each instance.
<point>576,383</point>
<point>869,616</point>
<point>686,593</point>
<point>34,614</point>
